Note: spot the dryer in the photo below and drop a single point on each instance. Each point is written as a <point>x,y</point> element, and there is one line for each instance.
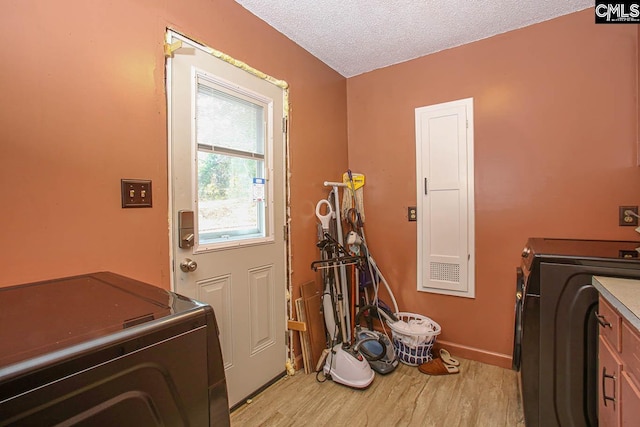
<point>556,333</point>
<point>105,350</point>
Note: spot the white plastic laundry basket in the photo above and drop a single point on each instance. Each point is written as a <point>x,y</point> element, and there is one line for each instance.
<point>413,348</point>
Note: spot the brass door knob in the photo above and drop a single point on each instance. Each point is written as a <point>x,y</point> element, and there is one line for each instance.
<point>188,265</point>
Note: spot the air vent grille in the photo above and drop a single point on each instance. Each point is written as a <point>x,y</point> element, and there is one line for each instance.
<point>445,272</point>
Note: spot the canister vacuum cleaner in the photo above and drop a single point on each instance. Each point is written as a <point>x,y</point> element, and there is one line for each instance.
<point>376,346</point>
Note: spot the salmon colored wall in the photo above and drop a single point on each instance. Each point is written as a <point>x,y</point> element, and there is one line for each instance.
<point>555,154</point>
<point>83,105</point>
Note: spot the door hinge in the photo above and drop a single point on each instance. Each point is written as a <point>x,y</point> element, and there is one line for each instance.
<point>426,185</point>
<point>285,235</point>
<point>285,123</point>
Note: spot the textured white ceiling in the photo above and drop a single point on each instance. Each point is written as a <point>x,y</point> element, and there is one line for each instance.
<point>356,36</point>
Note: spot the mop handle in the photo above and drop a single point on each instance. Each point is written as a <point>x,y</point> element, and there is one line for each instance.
<point>334,184</point>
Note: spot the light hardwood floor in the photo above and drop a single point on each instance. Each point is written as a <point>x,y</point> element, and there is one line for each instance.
<point>480,395</point>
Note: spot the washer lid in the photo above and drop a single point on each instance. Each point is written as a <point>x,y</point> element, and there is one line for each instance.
<point>41,317</point>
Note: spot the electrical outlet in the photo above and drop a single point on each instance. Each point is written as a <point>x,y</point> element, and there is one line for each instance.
<point>625,220</point>
<point>412,213</point>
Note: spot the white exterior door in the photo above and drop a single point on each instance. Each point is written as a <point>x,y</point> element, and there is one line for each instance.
<point>444,171</point>
<point>227,184</point>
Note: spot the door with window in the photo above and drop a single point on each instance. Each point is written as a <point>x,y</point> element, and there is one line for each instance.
<point>227,183</point>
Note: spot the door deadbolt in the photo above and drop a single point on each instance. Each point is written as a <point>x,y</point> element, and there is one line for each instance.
<point>188,265</point>
<point>185,229</point>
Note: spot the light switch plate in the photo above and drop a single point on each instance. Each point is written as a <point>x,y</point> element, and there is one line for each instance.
<point>135,193</point>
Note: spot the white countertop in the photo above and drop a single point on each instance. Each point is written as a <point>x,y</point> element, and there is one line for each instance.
<point>622,294</point>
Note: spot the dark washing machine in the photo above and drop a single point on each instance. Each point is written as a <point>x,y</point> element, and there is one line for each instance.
<point>105,350</point>
<point>556,333</point>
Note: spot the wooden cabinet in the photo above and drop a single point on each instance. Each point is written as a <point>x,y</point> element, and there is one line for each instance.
<point>618,369</point>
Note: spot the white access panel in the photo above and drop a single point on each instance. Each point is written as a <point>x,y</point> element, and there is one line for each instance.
<point>444,171</point>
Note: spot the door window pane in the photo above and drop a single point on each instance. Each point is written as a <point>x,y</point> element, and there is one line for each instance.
<point>231,144</point>
<point>226,209</point>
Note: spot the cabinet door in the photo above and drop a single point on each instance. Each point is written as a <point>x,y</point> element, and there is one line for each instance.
<point>631,350</point>
<point>609,368</point>
<point>630,395</point>
<point>609,321</point>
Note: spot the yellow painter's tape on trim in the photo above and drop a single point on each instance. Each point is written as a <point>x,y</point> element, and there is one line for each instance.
<point>169,48</point>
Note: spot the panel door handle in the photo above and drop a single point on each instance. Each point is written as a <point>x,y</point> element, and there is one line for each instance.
<point>606,376</point>
<point>603,321</point>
